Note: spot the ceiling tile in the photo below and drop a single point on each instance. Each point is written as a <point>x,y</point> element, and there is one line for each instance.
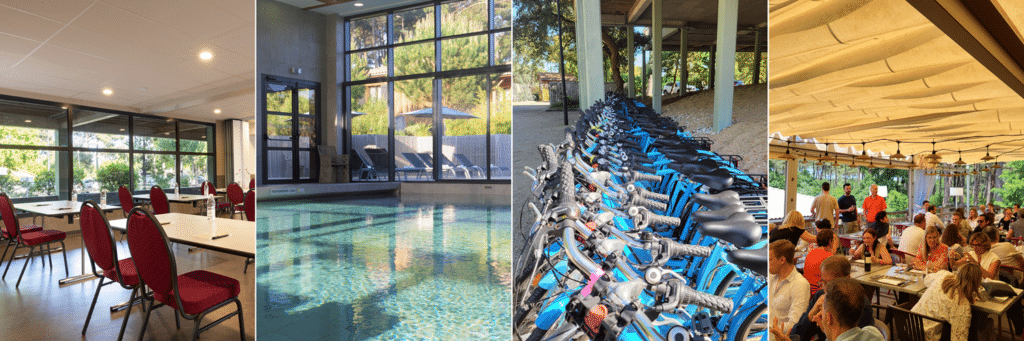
<point>131,29</point>
<point>16,45</point>
<point>26,25</point>
<point>64,12</point>
<point>181,15</point>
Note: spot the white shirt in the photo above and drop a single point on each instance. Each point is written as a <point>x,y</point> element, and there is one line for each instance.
<point>986,259</point>
<point>789,297</point>
<point>937,304</point>
<point>930,219</point>
<point>912,238</point>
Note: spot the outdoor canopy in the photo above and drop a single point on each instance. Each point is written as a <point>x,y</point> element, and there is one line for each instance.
<point>915,71</point>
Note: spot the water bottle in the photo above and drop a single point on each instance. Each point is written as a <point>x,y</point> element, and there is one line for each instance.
<point>103,198</point>
<point>867,260</point>
<point>74,195</point>
<point>211,206</point>
<point>176,192</point>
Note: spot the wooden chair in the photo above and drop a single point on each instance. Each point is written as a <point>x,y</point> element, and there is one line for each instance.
<point>905,325</point>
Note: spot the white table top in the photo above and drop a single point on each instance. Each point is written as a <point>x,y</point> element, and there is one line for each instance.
<point>196,230</point>
<point>175,198</point>
<point>225,190</point>
<point>58,207</point>
<point>998,308</point>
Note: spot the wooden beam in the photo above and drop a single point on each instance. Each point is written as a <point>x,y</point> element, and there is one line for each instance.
<point>638,9</point>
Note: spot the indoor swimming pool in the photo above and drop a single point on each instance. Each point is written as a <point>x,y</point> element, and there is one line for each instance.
<point>378,268</point>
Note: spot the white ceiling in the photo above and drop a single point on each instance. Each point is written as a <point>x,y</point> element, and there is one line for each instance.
<point>346,8</point>
<point>145,51</point>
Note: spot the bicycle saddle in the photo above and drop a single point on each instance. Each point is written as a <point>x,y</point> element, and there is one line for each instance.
<point>719,214</point>
<point>740,229</point>
<point>719,179</point>
<point>716,201</point>
<point>695,167</point>
<point>755,260</point>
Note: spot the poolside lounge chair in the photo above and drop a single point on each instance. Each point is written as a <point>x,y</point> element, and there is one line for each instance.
<point>365,165</point>
<point>380,159</point>
<point>446,165</point>
<point>468,165</point>
<point>418,166</point>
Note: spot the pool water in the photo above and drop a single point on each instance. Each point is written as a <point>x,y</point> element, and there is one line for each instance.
<point>380,269</point>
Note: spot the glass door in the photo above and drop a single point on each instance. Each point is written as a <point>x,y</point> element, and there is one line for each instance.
<point>291,133</point>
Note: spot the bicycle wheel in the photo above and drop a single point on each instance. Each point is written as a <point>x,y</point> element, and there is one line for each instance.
<point>755,326</point>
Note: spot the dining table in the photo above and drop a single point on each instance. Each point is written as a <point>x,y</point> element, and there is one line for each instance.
<point>60,208</point>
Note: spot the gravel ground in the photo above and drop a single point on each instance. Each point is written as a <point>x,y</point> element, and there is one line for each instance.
<point>533,125</point>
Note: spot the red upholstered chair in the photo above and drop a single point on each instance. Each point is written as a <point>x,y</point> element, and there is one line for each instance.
<point>99,242</point>
<point>10,237</point>
<point>250,215</point>
<point>30,239</point>
<point>250,205</point>
<point>192,294</point>
<point>159,200</point>
<point>237,198</point>
<point>252,183</point>
<point>125,197</point>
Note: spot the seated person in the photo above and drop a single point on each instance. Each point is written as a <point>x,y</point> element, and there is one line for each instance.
<point>842,296</point>
<point>826,247</point>
<point>789,290</point>
<point>872,248</point>
<point>950,299</point>
<point>832,268</point>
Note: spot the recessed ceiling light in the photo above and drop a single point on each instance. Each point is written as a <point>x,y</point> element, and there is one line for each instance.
<point>64,107</point>
<point>28,121</point>
<point>204,136</point>
<point>216,111</point>
<point>108,92</point>
<point>358,4</point>
<point>167,133</point>
<point>143,89</point>
<point>122,129</point>
<point>205,55</point>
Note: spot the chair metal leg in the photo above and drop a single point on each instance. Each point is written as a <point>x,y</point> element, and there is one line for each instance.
<point>88,317</point>
<point>124,323</point>
<point>195,332</point>
<point>50,255</point>
<point>247,262</point>
<point>64,250</point>
<point>241,321</point>
<point>145,320</point>
<point>177,323</point>
<point>9,241</point>
<point>30,251</point>
<point>11,261</point>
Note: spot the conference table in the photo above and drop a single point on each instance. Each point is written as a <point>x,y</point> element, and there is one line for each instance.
<point>59,208</point>
<point>236,237</point>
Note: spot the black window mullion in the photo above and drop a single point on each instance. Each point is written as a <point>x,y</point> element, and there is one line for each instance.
<point>391,94</point>
<point>437,95</point>
<point>487,162</point>
<point>296,173</point>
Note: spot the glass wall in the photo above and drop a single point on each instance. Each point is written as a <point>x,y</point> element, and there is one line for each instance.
<point>424,88</point>
<point>49,149</point>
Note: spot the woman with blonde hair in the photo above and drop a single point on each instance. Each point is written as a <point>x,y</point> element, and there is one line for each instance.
<point>950,300</point>
<point>932,256</point>
<point>792,229</point>
<point>973,218</point>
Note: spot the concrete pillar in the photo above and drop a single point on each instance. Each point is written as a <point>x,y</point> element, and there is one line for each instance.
<point>631,47</point>
<point>588,51</point>
<point>331,119</point>
<point>711,67</point>
<point>757,57</point>
<point>684,52</point>
<point>656,67</point>
<point>725,60</point>
<point>791,186</point>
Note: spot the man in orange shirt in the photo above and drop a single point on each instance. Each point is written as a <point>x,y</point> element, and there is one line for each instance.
<point>812,263</point>
<point>872,205</point>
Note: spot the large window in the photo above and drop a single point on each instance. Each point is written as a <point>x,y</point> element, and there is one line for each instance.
<point>426,92</point>
<point>49,149</point>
